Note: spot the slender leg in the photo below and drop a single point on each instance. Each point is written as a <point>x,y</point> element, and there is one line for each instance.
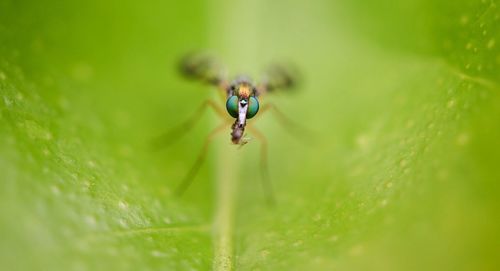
<point>264,170</point>
<point>292,127</point>
<point>223,85</point>
<point>199,161</point>
<point>170,137</point>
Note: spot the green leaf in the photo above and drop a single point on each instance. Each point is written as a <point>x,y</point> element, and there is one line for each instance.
<point>400,172</point>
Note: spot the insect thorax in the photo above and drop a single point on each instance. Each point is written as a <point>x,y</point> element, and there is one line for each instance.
<point>242,87</point>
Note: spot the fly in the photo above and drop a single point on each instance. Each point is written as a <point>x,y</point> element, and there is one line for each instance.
<point>241,97</point>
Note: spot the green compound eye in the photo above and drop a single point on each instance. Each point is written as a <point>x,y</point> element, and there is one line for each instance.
<point>232,106</point>
<point>253,107</point>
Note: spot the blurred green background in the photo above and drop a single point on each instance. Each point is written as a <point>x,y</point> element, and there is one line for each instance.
<point>403,172</point>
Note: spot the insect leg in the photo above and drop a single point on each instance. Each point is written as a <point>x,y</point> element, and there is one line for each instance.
<point>199,161</point>
<point>264,170</point>
<point>288,124</point>
<point>170,137</point>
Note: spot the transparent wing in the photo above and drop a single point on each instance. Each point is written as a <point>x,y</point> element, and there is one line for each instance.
<point>279,77</point>
<point>202,67</point>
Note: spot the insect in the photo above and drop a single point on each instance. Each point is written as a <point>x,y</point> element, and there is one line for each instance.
<point>241,97</point>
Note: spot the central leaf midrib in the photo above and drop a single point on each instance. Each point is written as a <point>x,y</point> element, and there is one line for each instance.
<point>233,36</point>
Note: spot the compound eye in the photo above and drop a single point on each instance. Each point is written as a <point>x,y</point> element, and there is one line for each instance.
<point>253,107</point>
<point>232,106</point>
